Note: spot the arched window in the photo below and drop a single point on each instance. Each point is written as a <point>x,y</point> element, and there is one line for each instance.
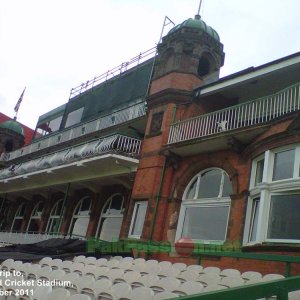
<point>35,218</point>
<point>205,207</point>
<point>111,218</point>
<point>81,218</point>
<point>55,219</point>
<point>18,219</point>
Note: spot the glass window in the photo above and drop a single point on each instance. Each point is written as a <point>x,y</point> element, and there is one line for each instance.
<point>81,218</point>
<point>18,220</point>
<point>54,222</point>
<point>205,208</point>
<point>206,223</point>
<point>137,222</point>
<point>259,171</point>
<point>284,221</point>
<point>284,164</point>
<point>74,117</point>
<point>55,124</point>
<point>254,219</point>
<point>111,219</point>
<point>35,218</point>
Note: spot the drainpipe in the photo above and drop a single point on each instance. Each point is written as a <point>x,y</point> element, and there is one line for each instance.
<point>157,199</point>
<point>63,206</point>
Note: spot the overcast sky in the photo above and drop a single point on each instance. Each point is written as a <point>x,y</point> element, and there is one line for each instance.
<point>50,46</point>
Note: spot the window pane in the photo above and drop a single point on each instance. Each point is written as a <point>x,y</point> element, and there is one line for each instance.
<point>138,219</point>
<point>192,190</point>
<point>284,165</point>
<point>259,171</point>
<point>210,184</point>
<point>206,223</point>
<point>80,226</point>
<point>111,228</point>
<point>284,221</point>
<point>227,187</point>
<point>254,219</point>
<point>55,124</point>
<point>74,117</point>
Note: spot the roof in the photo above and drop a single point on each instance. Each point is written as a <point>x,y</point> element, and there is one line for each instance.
<point>249,74</point>
<point>28,132</point>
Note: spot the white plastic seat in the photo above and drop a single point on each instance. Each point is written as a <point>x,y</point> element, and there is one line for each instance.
<point>188,275</point>
<point>100,272</point>
<point>89,270</point>
<point>141,293</point>
<point>232,281</point>
<point>270,277</point>
<point>230,273</point>
<point>151,262</point>
<point>197,268</point>
<point>80,283</point>
<point>139,260</point>
<point>132,276</point>
<point>171,272</point>
<point>58,294</point>
<point>101,262</point>
<point>149,280</point>
<point>95,288</point>
<point>80,258</point>
<point>44,272</point>
<point>67,266</point>
<point>125,265</point>
<point>5,265</point>
<point>213,270</point>
<point>34,271</point>
<point>90,260</point>
<point>117,257</point>
<point>115,274</point>
<point>120,290</point>
<point>166,284</point>
<point>56,263</point>
<point>180,266</point>
<point>56,275</point>
<point>209,278</point>
<point>16,265</point>
<point>164,295</point>
<point>165,264</point>
<point>189,288</point>
<point>41,292</point>
<point>71,277</point>
<point>249,275</point>
<point>128,258</point>
<point>113,263</point>
<point>214,287</point>
<point>77,267</point>
<point>45,261</point>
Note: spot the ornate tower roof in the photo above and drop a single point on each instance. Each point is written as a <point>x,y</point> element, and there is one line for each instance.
<point>13,126</point>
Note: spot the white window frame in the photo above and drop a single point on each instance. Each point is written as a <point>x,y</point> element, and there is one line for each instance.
<point>265,190</point>
<point>17,215</point>
<point>33,217</point>
<point>135,210</point>
<point>79,216</point>
<point>52,217</point>
<point>107,214</point>
<point>203,202</point>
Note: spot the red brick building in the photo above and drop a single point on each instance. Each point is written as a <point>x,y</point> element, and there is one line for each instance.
<point>215,160</point>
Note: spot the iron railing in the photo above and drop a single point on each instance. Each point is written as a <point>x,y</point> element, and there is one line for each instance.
<point>115,118</point>
<point>254,112</point>
<point>143,56</point>
<point>118,143</point>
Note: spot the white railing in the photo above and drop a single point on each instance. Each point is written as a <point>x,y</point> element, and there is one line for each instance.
<point>246,114</point>
<point>143,56</point>
<point>114,143</point>
<point>115,118</point>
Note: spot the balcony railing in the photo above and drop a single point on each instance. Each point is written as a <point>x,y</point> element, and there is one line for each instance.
<point>115,118</point>
<point>116,143</point>
<point>254,112</point>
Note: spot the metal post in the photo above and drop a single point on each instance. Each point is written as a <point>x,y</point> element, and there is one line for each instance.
<point>64,202</point>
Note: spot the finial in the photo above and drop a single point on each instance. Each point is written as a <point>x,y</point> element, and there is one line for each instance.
<point>197,16</point>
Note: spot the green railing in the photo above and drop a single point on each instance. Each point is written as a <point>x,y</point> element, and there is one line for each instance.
<point>279,288</point>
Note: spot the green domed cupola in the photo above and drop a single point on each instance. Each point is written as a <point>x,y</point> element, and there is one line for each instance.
<point>192,47</point>
<point>196,24</point>
<point>11,136</point>
<point>13,126</point>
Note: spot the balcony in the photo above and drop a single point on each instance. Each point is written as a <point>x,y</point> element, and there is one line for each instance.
<point>114,155</point>
<point>115,118</point>
<point>243,116</point>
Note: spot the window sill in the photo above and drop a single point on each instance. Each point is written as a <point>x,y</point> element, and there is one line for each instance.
<point>272,247</point>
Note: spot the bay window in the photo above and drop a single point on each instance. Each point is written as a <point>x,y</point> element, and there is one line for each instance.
<point>274,202</point>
